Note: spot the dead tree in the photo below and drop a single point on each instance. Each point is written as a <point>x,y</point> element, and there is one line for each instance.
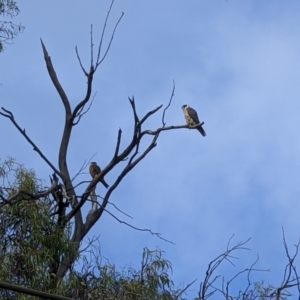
<point>65,192</point>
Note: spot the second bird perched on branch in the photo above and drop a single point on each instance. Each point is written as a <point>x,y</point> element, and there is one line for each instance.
<point>192,119</point>
<point>95,170</point>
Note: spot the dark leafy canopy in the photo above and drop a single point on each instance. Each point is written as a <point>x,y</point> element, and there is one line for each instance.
<point>31,243</point>
<point>8,29</point>
<point>30,239</point>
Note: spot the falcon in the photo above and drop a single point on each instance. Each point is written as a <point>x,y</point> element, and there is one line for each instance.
<point>192,119</point>
<point>95,170</point>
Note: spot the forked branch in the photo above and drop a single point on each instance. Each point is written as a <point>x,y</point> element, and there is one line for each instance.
<point>99,60</point>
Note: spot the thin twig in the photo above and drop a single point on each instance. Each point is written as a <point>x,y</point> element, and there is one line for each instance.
<point>83,166</point>
<point>80,113</point>
<point>177,296</point>
<point>92,46</point>
<point>118,143</point>
<point>10,116</point>
<point>120,210</point>
<point>103,31</point>
<point>80,63</point>
<point>99,61</point>
<point>111,39</point>
<point>214,264</point>
<point>139,229</point>
<point>170,101</point>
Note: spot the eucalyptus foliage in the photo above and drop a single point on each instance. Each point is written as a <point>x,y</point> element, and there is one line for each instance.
<point>8,29</point>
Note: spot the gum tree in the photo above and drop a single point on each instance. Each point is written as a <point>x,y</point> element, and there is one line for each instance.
<point>65,196</point>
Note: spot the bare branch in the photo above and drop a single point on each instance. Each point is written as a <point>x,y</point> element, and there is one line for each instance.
<point>80,113</point>
<point>83,167</point>
<point>170,101</point>
<point>99,61</point>
<point>55,81</point>
<point>138,229</point>
<point>80,183</point>
<point>80,63</point>
<point>103,31</point>
<point>118,144</point>
<point>158,130</point>
<point>80,106</point>
<point>62,156</point>
<point>111,39</point>
<point>82,103</point>
<point>92,46</point>
<point>136,118</point>
<point>120,210</point>
<point>150,113</point>
<point>10,116</point>
<point>248,270</point>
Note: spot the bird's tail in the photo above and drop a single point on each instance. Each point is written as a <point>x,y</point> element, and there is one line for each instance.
<point>201,130</point>
<point>104,183</point>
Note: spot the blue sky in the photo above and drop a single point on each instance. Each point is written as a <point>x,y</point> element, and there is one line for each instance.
<point>236,62</point>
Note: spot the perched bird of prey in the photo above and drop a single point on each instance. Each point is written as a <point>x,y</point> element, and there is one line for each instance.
<point>95,170</point>
<point>192,119</point>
